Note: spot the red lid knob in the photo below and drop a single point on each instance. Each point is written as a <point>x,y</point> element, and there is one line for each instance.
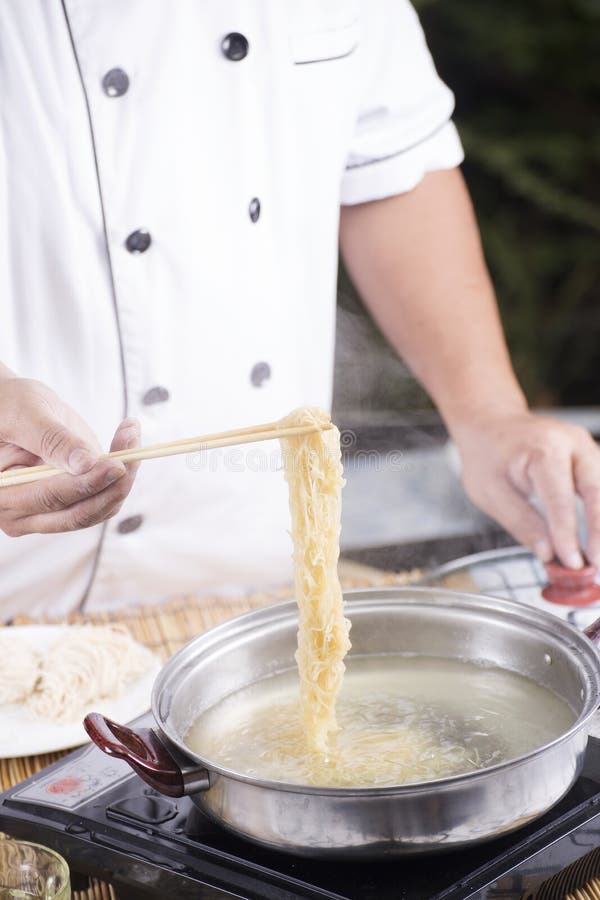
<point>571,587</point>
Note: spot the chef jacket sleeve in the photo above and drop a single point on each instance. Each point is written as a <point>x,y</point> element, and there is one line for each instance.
<point>403,129</point>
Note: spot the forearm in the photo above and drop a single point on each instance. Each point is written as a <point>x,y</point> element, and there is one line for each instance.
<point>417,262</point>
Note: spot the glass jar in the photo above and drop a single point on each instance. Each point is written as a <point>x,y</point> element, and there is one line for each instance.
<point>32,872</point>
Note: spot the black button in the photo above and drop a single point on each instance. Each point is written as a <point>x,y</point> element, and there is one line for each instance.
<point>254,209</point>
<point>235,46</point>
<point>126,526</point>
<point>76,828</point>
<point>147,810</point>
<point>156,394</point>
<point>138,241</point>
<point>260,372</point>
<point>115,83</point>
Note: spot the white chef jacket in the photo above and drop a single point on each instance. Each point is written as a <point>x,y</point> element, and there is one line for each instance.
<point>171,173</point>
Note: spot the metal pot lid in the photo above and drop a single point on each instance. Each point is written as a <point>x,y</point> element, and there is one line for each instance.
<point>511,573</point>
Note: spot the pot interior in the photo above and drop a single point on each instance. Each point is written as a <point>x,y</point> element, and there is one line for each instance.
<point>418,621</point>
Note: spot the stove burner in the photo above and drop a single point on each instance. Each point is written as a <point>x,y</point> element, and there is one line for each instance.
<point>108,823</point>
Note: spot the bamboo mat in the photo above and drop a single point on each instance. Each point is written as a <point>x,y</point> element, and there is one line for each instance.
<point>166,628</point>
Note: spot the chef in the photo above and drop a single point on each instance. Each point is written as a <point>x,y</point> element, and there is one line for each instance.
<point>174,181</point>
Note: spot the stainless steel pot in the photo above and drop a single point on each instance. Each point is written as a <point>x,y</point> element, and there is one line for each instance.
<point>368,822</point>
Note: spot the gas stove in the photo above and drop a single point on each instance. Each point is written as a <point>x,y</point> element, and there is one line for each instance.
<point>107,823</point>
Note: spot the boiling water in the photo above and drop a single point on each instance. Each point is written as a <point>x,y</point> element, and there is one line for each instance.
<point>401,719</point>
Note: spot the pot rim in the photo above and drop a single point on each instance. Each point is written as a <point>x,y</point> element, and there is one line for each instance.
<point>410,595</point>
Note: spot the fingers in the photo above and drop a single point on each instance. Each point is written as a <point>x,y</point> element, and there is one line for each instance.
<point>517,516</point>
<point>60,491</point>
<point>80,515</point>
<point>552,479</point>
<point>14,457</point>
<point>533,456</point>
<point>35,419</point>
<point>66,502</point>
<point>127,437</point>
<point>587,482</point>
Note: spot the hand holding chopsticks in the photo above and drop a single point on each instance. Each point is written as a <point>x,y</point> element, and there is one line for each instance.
<point>251,434</point>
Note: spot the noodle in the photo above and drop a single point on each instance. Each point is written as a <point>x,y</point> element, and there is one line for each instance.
<point>88,663</point>
<point>19,669</point>
<point>363,753</point>
<point>313,470</point>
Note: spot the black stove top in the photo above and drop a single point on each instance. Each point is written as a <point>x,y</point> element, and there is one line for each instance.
<point>107,823</point>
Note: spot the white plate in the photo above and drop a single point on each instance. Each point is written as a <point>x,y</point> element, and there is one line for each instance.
<point>23,735</point>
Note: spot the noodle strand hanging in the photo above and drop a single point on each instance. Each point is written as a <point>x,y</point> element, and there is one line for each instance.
<point>313,470</point>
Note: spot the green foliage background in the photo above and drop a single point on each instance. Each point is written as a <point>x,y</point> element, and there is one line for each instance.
<point>527,81</point>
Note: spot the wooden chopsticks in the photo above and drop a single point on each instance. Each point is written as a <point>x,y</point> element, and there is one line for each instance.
<point>266,432</point>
